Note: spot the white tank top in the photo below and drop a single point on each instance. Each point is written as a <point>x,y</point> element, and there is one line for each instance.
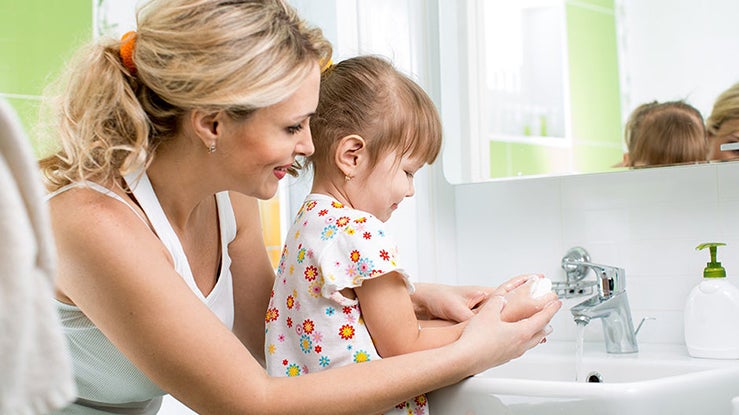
<point>107,382</point>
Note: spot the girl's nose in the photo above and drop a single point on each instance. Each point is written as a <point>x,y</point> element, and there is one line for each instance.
<point>411,188</point>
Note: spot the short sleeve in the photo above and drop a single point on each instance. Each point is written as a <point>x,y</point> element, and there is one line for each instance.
<point>359,251</point>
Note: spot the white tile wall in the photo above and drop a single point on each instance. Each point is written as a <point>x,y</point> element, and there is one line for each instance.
<point>647,221</point>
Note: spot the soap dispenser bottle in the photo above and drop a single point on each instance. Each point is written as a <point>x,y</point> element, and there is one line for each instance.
<point>712,313</point>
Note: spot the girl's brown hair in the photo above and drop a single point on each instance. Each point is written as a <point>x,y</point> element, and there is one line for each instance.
<point>367,96</point>
<point>665,133</point>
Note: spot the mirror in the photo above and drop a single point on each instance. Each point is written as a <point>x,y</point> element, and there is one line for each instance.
<point>544,87</point>
<point>579,68</point>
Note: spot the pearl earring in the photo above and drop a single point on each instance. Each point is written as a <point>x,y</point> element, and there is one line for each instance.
<point>212,148</point>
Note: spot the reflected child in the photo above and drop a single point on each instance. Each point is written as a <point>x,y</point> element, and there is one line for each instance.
<point>666,133</point>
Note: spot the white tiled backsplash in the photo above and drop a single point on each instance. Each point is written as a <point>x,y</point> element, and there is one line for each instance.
<point>646,221</point>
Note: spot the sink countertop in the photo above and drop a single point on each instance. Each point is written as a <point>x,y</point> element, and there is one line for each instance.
<point>660,378</point>
<point>655,352</point>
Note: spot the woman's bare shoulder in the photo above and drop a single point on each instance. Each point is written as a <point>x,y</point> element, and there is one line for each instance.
<point>91,226</point>
<point>102,241</point>
<point>84,205</point>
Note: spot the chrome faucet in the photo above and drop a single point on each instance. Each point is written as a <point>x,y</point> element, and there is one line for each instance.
<point>610,304</point>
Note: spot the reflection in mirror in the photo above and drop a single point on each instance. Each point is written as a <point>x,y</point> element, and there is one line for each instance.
<point>544,87</point>
<point>665,133</point>
<point>723,126</point>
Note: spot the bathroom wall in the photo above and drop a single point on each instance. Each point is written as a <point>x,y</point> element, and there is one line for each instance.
<point>36,38</point>
<point>647,221</point>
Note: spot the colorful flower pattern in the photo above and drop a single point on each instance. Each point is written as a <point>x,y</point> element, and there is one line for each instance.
<point>310,325</point>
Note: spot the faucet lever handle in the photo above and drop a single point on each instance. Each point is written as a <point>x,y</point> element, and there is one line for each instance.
<point>641,323</point>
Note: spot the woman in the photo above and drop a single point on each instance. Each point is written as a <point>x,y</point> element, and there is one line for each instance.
<point>723,125</point>
<point>167,139</point>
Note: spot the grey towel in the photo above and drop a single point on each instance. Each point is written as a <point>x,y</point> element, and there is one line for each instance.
<point>35,369</point>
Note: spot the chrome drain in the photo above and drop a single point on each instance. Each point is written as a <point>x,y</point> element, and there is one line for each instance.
<point>594,377</point>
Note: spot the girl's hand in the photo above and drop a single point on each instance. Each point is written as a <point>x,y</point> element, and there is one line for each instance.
<point>460,303</point>
<point>448,302</point>
<point>521,301</point>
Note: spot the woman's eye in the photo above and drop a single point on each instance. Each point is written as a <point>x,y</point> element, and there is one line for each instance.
<point>409,174</point>
<point>295,128</point>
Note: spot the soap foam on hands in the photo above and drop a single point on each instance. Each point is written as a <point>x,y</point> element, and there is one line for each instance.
<point>540,286</point>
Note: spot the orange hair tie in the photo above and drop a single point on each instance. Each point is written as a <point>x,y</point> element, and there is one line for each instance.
<point>128,43</point>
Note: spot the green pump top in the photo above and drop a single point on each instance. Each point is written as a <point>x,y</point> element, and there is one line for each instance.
<point>713,269</point>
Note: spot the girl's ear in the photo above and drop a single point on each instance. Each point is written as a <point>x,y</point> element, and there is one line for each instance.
<point>207,127</point>
<point>351,151</point>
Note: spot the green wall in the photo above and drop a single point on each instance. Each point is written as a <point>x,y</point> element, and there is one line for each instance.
<point>595,92</point>
<point>36,38</point>
<point>595,102</point>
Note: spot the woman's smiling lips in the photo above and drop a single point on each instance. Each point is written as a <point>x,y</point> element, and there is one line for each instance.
<point>281,171</point>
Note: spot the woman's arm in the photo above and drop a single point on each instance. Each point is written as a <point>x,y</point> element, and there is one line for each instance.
<point>389,315</point>
<point>119,274</point>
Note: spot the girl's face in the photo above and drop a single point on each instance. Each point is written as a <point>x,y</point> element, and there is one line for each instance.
<point>257,152</point>
<point>380,189</point>
<point>727,133</point>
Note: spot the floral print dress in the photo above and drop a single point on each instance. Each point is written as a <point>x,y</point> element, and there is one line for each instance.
<point>310,325</point>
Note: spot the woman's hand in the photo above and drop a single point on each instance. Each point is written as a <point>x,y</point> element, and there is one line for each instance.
<point>495,341</point>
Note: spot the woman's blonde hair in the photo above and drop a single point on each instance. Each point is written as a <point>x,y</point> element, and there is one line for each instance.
<point>725,108</point>
<point>217,55</point>
<point>665,133</point>
<point>367,96</point>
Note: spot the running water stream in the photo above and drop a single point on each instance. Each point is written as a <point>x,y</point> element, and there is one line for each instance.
<point>579,345</point>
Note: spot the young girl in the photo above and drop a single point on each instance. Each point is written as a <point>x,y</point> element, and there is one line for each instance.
<point>341,295</point>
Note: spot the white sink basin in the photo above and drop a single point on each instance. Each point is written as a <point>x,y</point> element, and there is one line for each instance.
<point>660,379</point>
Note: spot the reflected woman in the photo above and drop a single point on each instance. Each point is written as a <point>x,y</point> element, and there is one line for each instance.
<point>723,125</point>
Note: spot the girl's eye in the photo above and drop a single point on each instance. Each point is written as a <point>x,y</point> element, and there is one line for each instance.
<point>409,174</point>
<point>295,128</point>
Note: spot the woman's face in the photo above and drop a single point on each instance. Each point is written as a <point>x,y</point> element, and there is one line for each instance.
<point>727,133</point>
<point>257,152</point>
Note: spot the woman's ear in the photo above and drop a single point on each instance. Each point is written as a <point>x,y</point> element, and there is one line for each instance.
<point>350,153</point>
<point>207,127</point>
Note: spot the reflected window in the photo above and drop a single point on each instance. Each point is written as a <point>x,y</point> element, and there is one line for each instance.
<point>523,70</point>
<point>530,87</point>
